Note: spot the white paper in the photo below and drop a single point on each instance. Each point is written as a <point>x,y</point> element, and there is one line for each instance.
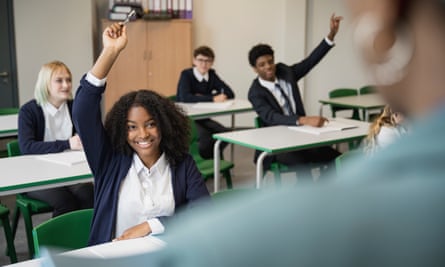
<point>331,126</point>
<point>213,105</point>
<point>68,158</point>
<point>122,248</point>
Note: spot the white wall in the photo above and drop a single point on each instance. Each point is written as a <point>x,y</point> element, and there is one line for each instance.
<point>341,67</point>
<point>232,27</point>
<point>47,30</point>
<point>63,29</point>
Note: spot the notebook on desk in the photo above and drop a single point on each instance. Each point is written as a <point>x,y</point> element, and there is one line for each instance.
<point>213,105</point>
<point>331,126</point>
<point>68,158</point>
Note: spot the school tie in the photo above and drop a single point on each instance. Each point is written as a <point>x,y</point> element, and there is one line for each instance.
<point>287,104</point>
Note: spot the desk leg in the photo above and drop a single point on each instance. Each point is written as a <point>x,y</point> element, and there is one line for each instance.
<point>321,110</point>
<point>366,115</point>
<point>216,165</point>
<point>259,169</point>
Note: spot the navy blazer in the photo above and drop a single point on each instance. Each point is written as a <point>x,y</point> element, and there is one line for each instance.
<point>110,167</point>
<point>191,90</point>
<point>32,131</point>
<point>265,103</point>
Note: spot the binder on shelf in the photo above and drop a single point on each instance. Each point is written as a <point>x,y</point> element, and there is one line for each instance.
<point>182,9</point>
<point>189,9</point>
<point>175,8</point>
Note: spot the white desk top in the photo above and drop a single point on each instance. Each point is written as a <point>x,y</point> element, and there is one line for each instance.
<point>368,101</point>
<point>26,173</point>
<point>112,251</point>
<point>8,125</point>
<point>205,109</point>
<point>278,139</point>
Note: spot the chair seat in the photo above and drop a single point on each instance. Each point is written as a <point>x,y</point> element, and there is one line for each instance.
<point>206,167</point>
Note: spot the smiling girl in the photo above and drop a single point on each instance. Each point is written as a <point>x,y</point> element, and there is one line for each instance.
<point>143,173</point>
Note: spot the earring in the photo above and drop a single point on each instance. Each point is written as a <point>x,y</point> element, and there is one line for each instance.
<point>393,68</point>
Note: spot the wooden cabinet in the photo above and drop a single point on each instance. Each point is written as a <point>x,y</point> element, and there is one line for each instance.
<point>156,53</point>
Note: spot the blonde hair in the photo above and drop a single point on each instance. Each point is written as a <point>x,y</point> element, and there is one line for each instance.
<point>41,89</point>
<point>386,118</point>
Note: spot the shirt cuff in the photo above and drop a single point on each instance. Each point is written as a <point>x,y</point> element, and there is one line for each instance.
<point>156,226</point>
<point>95,81</point>
<point>329,42</point>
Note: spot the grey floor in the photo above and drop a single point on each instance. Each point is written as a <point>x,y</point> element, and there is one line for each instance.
<point>243,175</point>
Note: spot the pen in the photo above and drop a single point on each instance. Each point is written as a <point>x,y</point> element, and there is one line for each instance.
<point>222,90</point>
<point>129,16</point>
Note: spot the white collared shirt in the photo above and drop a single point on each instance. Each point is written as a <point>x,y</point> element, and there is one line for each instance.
<point>58,124</point>
<point>145,194</point>
<point>277,94</point>
<point>199,76</point>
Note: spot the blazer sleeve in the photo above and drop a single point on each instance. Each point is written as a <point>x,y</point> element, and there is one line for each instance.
<point>302,68</point>
<point>185,92</point>
<point>87,118</point>
<point>30,140</point>
<point>220,84</point>
<point>267,107</point>
<point>189,189</point>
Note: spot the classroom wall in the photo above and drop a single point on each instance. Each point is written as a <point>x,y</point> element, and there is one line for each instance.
<point>230,27</point>
<point>46,30</point>
<point>342,66</point>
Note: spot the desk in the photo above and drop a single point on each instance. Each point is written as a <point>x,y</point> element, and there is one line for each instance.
<point>28,173</point>
<point>364,102</point>
<point>112,251</point>
<point>238,106</point>
<point>8,125</point>
<point>280,139</point>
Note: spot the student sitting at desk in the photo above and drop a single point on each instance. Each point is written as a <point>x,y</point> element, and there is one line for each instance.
<point>45,126</point>
<point>202,84</point>
<point>275,96</point>
<point>142,170</point>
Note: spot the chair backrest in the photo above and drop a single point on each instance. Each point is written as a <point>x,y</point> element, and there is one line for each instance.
<point>8,111</point>
<point>67,231</point>
<point>194,145</point>
<point>13,148</point>
<point>172,98</point>
<point>342,92</point>
<point>258,122</point>
<point>368,89</point>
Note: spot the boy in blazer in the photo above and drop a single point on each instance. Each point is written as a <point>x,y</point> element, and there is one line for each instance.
<point>275,96</point>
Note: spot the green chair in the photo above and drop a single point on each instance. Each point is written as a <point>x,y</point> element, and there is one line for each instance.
<point>66,232</point>
<point>206,166</point>
<point>275,167</point>
<point>25,205</point>
<point>341,92</point>
<point>172,98</point>
<point>367,89</point>
<point>4,217</point>
<point>8,111</point>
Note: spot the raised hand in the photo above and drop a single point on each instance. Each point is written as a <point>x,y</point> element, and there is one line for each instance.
<point>334,26</point>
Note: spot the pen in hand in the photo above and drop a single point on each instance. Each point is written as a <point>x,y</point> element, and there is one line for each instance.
<point>127,19</point>
<point>222,90</point>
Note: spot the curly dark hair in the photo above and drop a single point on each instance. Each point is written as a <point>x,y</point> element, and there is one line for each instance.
<point>258,51</point>
<point>173,124</point>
